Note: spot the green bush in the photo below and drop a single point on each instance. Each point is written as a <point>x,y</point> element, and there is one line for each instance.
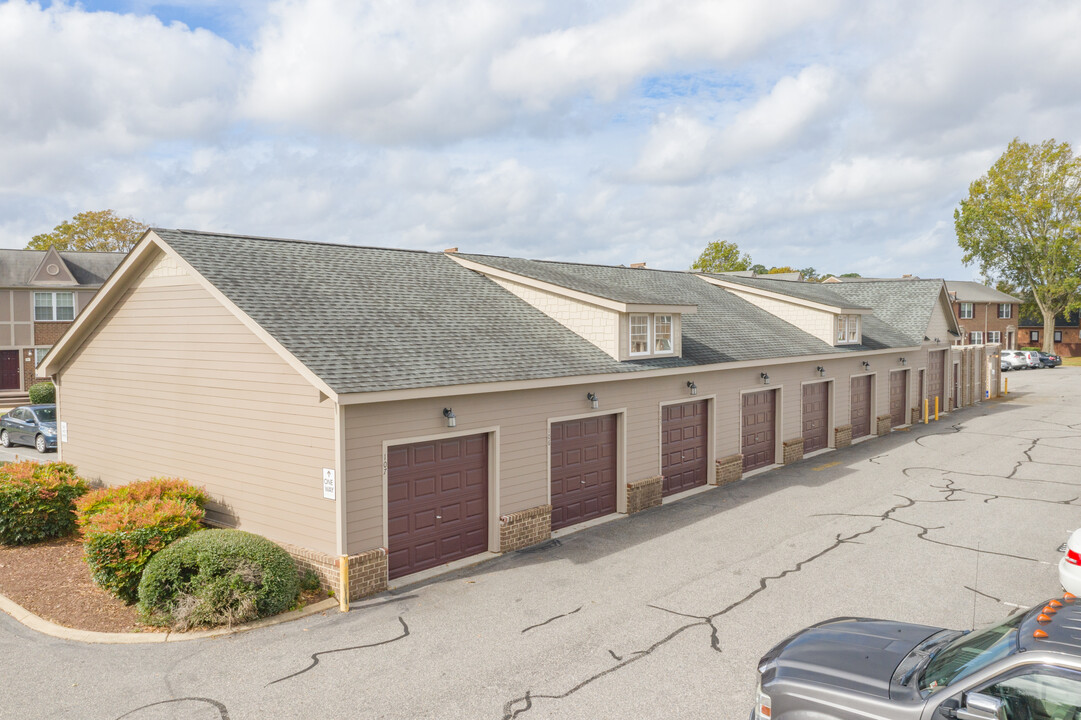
<point>140,491</point>
<point>37,501</point>
<point>119,539</point>
<point>217,577</point>
<point>42,393</point>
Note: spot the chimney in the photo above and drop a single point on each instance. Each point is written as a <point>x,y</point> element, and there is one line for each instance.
<point>905,277</point>
<point>638,265</point>
<point>451,250</point>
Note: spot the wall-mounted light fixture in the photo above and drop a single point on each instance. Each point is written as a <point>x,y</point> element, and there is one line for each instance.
<point>765,378</point>
<point>904,361</point>
<point>449,415</point>
<point>937,341</point>
<point>866,365</point>
<point>693,387</point>
<point>821,371</point>
<point>594,401</point>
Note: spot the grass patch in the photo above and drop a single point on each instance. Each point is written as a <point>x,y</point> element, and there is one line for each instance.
<point>1072,362</point>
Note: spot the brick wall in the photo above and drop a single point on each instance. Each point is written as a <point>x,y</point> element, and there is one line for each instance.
<point>30,373</point>
<point>883,424</point>
<point>793,450</point>
<point>47,333</point>
<point>842,436</point>
<point>367,571</point>
<point>1069,346</point>
<point>643,494</point>
<point>525,528</point>
<point>729,469</point>
<point>985,319</point>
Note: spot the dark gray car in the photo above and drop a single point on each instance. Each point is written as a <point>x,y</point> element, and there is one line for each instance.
<point>1026,668</point>
<point>33,425</point>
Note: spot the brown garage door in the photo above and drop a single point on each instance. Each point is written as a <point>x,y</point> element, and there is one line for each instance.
<point>898,409</point>
<point>816,416</point>
<point>758,439</point>
<point>861,406</point>
<point>583,469</point>
<point>683,446</point>
<point>437,502</point>
<point>935,369</point>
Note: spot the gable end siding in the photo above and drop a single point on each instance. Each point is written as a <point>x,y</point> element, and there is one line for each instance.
<point>171,384</point>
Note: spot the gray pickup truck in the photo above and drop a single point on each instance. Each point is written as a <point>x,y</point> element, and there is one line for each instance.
<point>1026,668</point>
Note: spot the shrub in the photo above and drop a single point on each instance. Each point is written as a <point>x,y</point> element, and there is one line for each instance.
<point>121,538</point>
<point>139,491</point>
<point>309,581</point>
<point>37,501</point>
<point>217,577</point>
<point>42,393</point>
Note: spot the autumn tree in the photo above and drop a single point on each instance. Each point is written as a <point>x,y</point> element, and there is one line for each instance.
<point>721,256</point>
<point>782,269</point>
<point>1021,222</point>
<point>100,231</point>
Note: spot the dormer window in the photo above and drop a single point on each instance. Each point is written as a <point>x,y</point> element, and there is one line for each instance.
<point>640,334</point>
<point>662,331</point>
<point>848,329</point>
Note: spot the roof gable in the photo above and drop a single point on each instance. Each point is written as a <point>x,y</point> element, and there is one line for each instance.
<point>907,305</point>
<point>812,294</point>
<point>52,270</point>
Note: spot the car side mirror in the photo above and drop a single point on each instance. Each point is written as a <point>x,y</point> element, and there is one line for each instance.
<point>981,707</point>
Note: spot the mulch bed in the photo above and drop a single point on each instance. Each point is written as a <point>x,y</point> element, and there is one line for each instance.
<point>51,580</point>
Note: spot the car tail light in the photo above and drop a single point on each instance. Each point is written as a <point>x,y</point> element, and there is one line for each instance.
<point>1073,557</point>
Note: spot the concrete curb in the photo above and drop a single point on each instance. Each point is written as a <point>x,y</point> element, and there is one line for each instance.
<point>45,627</point>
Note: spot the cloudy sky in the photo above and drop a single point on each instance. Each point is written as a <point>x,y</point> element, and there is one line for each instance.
<point>833,134</point>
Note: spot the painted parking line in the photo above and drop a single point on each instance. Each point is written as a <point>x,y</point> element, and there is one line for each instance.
<point>835,463</point>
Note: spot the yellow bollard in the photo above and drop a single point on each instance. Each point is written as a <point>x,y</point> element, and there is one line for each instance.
<point>343,583</point>
<point>936,408</point>
<point>1007,381</point>
<point>925,417</point>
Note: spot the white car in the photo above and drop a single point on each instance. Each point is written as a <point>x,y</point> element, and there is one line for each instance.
<point>1069,567</point>
<point>1033,358</point>
<point>1016,359</point>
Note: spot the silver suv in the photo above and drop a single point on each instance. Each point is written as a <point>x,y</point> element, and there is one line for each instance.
<point>1026,668</point>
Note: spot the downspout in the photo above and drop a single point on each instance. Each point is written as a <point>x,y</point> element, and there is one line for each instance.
<point>340,520</point>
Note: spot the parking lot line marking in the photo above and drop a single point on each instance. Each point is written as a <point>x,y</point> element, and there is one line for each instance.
<point>835,463</point>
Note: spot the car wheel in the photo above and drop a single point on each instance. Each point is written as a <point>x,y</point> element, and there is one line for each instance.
<point>4,439</point>
<point>39,444</point>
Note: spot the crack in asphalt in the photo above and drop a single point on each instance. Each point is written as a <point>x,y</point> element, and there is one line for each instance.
<point>315,656</point>
<point>988,497</point>
<point>552,618</point>
<point>980,592</point>
<point>510,711</point>
<point>222,710</point>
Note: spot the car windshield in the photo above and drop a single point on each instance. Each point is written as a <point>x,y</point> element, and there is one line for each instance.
<point>969,653</point>
<point>46,414</point>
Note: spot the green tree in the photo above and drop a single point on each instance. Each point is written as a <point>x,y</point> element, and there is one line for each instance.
<point>759,269</point>
<point>94,230</point>
<point>1021,222</point>
<point>721,256</point>
<point>811,275</point>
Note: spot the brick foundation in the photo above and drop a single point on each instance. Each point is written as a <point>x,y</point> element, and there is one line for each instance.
<point>729,469</point>
<point>884,425</point>
<point>643,494</point>
<point>367,571</point>
<point>525,528</point>
<point>793,450</point>
<point>842,436</point>
<point>917,416</point>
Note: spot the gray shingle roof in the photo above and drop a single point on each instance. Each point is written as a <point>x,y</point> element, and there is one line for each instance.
<point>906,305</point>
<point>369,319</point>
<point>975,292</point>
<point>88,268</point>
<point>814,292</point>
<point>604,281</point>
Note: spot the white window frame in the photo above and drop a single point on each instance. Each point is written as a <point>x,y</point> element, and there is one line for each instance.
<point>975,337</point>
<point>994,336</point>
<point>53,306</point>
<point>630,334</point>
<point>965,311</point>
<point>1033,336</point>
<point>848,330</point>
<point>657,336</point>
<point>1058,336</point>
<point>39,355</point>
<point>1007,308</point>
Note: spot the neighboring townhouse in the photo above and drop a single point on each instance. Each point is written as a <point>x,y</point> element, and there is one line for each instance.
<point>41,292</point>
<point>403,410</point>
<point>1067,334</point>
<point>985,315</point>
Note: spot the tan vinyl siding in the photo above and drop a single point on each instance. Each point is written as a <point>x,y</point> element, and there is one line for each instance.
<point>522,419</point>
<point>815,322</point>
<point>197,395</point>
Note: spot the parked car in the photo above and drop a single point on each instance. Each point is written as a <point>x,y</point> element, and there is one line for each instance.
<point>1026,668</point>
<point>1069,567</point>
<point>1015,358</point>
<point>1032,357</point>
<point>1049,360</point>
<point>33,425</point>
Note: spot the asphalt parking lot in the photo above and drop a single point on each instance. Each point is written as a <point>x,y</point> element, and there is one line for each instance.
<point>661,614</point>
